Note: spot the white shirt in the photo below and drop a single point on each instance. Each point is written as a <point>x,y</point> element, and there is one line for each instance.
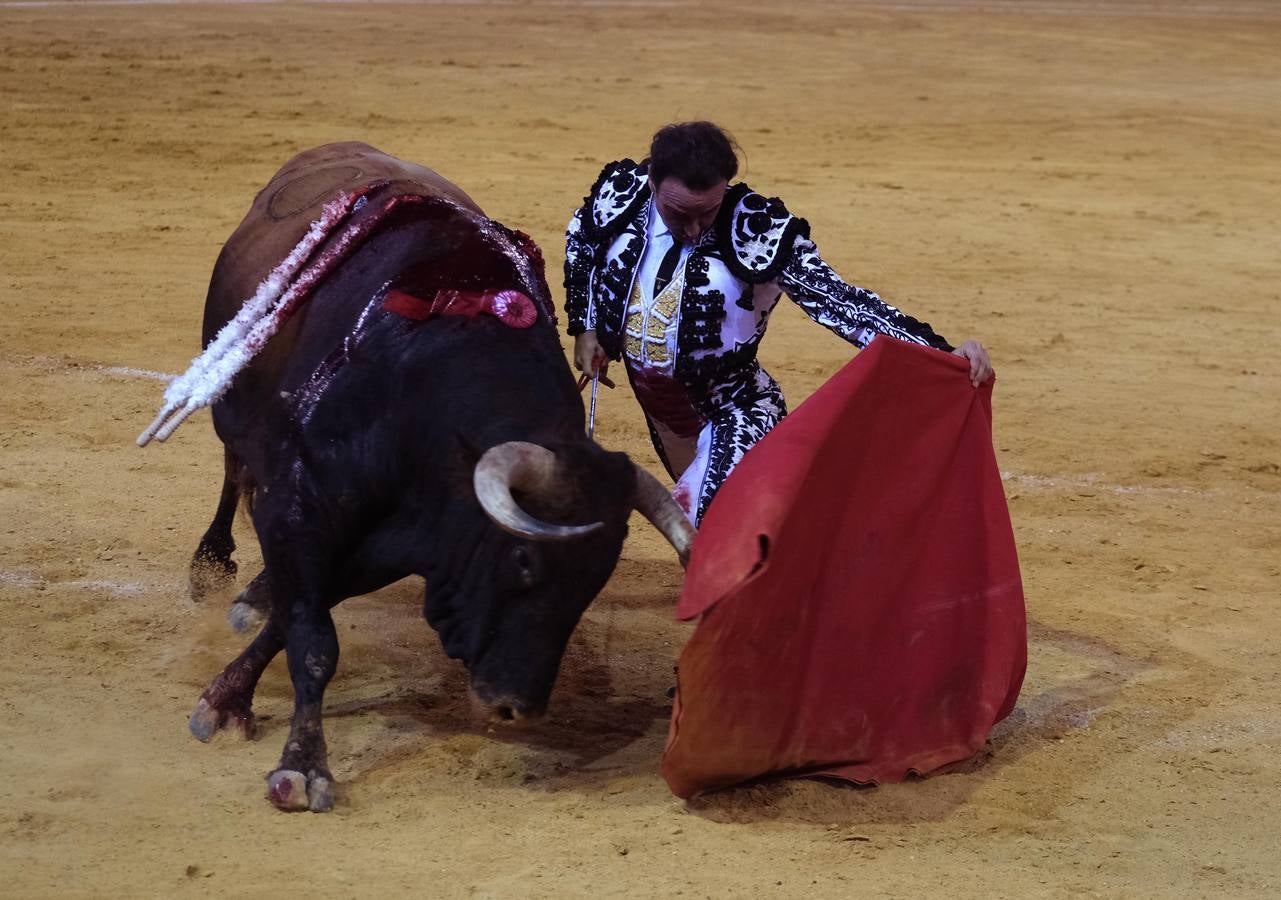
<point>658,241</point>
<point>650,326</point>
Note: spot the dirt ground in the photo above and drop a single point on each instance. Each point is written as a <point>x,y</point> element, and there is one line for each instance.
<point>1091,189</point>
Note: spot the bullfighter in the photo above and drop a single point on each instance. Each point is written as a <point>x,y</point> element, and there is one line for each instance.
<point>675,271</point>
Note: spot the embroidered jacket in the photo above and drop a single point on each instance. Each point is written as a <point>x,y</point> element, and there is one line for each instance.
<point>733,278</point>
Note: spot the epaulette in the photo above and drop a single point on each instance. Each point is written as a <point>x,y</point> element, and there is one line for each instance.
<point>756,234</point>
<point>615,197</point>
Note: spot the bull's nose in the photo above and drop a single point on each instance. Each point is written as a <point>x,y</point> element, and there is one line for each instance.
<point>506,711</point>
<point>511,715</point>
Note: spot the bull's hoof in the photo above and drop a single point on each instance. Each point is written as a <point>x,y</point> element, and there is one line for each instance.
<point>207,719</point>
<point>320,794</point>
<point>294,792</point>
<point>287,790</point>
<point>210,574</point>
<point>242,617</point>
<point>251,605</point>
<point>204,721</point>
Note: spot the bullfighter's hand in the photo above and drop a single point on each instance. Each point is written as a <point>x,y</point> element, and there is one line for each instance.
<point>589,358</point>
<point>980,364</point>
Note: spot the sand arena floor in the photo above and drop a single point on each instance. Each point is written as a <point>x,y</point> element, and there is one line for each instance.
<point>1091,189</point>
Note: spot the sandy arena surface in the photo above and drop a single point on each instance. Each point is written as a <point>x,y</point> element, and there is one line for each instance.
<point>1091,189</point>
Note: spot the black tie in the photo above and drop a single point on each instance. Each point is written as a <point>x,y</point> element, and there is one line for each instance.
<point>667,268</point>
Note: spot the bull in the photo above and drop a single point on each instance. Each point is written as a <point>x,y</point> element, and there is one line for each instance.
<point>393,400</point>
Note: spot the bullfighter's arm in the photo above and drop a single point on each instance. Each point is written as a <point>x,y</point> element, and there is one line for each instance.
<point>580,257</point>
<point>855,314</point>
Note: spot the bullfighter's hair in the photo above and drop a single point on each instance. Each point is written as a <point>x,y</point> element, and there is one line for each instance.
<point>700,154</point>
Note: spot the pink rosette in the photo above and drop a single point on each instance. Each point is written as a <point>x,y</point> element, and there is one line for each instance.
<point>513,308</point>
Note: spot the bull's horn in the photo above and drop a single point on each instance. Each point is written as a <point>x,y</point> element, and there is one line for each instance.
<point>654,502</point>
<point>527,467</point>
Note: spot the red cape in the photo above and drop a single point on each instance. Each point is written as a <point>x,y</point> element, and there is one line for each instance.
<point>862,611</point>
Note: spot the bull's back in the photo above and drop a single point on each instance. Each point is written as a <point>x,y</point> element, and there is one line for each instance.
<point>284,211</point>
<point>417,233</point>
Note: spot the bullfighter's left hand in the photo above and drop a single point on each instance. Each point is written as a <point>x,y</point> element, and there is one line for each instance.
<point>980,364</point>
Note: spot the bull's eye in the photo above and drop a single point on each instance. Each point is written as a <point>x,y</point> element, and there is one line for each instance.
<point>526,565</point>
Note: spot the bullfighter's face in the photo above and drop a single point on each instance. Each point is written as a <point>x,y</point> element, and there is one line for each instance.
<point>687,212</point>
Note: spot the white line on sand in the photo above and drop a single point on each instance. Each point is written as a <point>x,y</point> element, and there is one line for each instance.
<point>71,367</point>
<point>127,372</point>
<point>105,585</point>
<point>1088,482</point>
<point>114,587</point>
<point>19,579</point>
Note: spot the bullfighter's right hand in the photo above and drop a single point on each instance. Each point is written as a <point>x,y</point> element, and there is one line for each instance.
<point>589,358</point>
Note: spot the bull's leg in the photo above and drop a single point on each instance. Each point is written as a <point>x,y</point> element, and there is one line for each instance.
<point>228,701</point>
<point>252,605</point>
<point>302,780</point>
<point>212,567</point>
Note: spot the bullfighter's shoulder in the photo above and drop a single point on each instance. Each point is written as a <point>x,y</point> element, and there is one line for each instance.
<point>755,234</point>
<point>619,192</point>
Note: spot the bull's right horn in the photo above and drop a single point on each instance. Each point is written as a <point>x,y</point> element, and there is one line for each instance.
<point>526,467</point>
<point>654,502</point>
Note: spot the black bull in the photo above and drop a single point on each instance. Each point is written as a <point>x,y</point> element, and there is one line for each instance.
<point>373,445</point>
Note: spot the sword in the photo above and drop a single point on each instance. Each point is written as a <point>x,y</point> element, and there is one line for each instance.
<point>595,378</point>
<point>591,413</point>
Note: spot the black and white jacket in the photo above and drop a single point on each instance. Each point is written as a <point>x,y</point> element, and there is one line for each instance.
<point>733,278</point>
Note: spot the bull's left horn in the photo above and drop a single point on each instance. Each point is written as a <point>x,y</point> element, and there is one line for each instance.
<point>527,467</point>
<point>654,502</point>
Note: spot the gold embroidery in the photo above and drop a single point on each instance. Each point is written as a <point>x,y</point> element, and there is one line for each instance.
<point>646,329</point>
<point>635,322</point>
<point>666,302</point>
